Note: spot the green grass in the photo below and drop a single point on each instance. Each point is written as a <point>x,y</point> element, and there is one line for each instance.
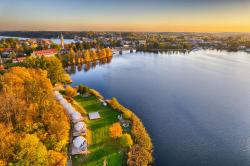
<point>102,146</point>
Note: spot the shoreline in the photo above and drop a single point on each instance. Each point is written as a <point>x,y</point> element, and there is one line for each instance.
<point>138,131</point>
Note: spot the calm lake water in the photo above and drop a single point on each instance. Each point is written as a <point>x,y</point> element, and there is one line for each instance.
<point>195,106</point>
<point>55,40</point>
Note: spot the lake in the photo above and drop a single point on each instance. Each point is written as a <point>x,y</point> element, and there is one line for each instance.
<point>55,40</point>
<point>196,106</point>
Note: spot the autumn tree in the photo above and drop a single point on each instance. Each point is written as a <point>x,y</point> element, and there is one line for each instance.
<point>52,65</point>
<point>7,142</point>
<point>115,130</point>
<point>101,53</point>
<point>56,158</point>
<point>71,57</point>
<point>31,152</point>
<point>86,56</point>
<point>93,55</point>
<point>28,109</point>
<point>108,52</point>
<point>70,92</point>
<point>126,140</point>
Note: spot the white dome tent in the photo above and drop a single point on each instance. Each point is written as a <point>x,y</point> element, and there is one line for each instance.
<point>79,129</point>
<point>80,144</point>
<point>76,117</point>
<point>80,126</point>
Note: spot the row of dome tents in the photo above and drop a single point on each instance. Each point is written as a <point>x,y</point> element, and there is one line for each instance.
<point>79,142</point>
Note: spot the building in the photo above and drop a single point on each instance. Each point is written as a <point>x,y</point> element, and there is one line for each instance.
<point>45,53</point>
<point>94,115</point>
<point>142,42</point>
<point>62,41</point>
<point>19,59</point>
<point>241,47</point>
<point>6,52</point>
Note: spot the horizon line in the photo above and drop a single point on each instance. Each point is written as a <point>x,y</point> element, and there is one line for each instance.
<point>124,31</point>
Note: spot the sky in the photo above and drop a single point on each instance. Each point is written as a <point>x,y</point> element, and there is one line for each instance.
<point>126,15</point>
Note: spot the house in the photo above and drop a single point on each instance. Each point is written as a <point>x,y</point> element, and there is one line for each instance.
<point>94,115</point>
<point>20,59</point>
<point>45,53</point>
<point>1,67</point>
<point>6,52</point>
<point>248,50</point>
<point>241,47</point>
<point>142,42</point>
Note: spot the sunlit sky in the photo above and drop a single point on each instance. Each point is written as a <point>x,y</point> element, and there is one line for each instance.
<point>126,15</point>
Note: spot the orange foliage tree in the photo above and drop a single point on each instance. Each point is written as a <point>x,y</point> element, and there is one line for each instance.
<point>115,130</point>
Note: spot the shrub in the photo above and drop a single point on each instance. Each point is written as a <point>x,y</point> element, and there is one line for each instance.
<point>115,130</point>
<point>70,92</point>
<point>141,152</point>
<point>117,106</point>
<point>83,89</point>
<point>126,140</point>
<point>96,94</point>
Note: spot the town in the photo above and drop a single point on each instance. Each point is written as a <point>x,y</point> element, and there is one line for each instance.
<point>16,49</point>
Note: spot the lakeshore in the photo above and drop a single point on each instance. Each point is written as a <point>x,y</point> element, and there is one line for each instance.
<point>101,147</point>
<point>190,104</point>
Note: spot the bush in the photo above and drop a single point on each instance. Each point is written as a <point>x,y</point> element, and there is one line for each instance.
<point>141,152</point>
<point>70,92</point>
<point>115,130</point>
<point>82,89</point>
<point>96,94</point>
<point>117,106</point>
<point>126,140</point>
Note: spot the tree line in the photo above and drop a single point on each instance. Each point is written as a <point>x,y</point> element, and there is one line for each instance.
<point>85,56</point>
<point>140,153</point>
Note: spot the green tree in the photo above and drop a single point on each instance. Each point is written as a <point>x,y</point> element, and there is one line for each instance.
<point>83,89</point>
<point>52,65</point>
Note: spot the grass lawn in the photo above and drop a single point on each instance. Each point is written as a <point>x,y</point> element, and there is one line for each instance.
<point>101,146</point>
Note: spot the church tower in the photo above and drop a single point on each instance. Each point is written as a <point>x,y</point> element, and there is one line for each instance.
<point>62,41</point>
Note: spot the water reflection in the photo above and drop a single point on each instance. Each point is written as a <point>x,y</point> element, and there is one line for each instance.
<point>87,66</point>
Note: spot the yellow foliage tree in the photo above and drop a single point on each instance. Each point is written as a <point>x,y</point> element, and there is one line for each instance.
<point>57,159</point>
<point>70,92</point>
<point>93,55</point>
<point>32,152</point>
<point>126,140</point>
<point>108,52</point>
<point>87,56</point>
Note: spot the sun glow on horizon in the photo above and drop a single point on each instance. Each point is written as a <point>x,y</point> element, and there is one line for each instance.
<point>156,16</point>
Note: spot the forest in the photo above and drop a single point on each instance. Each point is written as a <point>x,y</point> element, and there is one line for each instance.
<point>35,128</point>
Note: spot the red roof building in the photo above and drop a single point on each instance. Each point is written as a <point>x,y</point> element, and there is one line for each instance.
<point>1,67</point>
<point>19,59</point>
<point>46,53</point>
